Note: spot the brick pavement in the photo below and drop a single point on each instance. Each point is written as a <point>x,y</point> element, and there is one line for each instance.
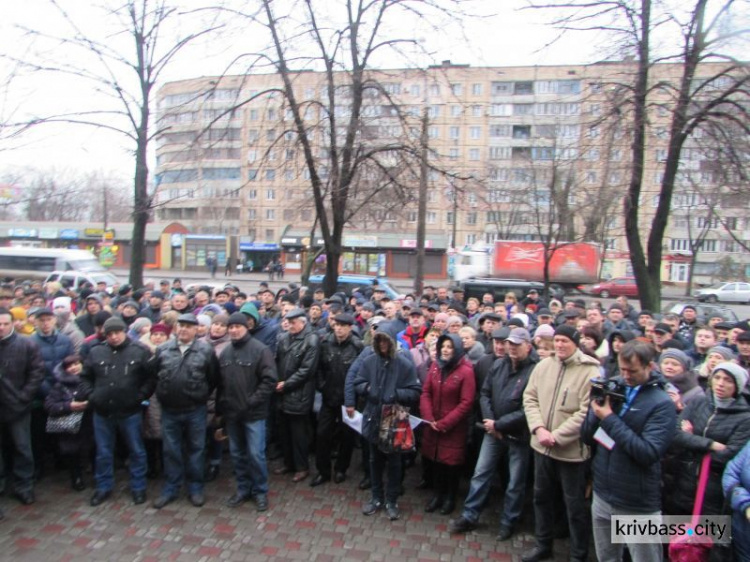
<point>312,524</point>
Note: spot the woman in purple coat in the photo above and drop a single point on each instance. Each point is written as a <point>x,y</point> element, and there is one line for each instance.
<point>446,401</point>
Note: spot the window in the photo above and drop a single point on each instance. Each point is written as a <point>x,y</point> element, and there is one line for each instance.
<point>177,176</point>
<point>449,217</point>
<point>473,154</point>
<point>502,88</point>
<point>433,132</point>
<point>288,214</point>
<point>523,88</point>
<point>253,115</point>
<point>435,90</point>
<point>594,131</point>
<point>471,218</point>
<point>679,245</point>
<point>595,109</point>
<point>454,132</point>
<point>591,177</point>
<point>289,175</point>
<point>501,109</point>
<point>270,214</point>
<point>290,154</point>
<point>476,89</point>
<point>595,87</point>
<point>221,173</point>
<point>270,175</point>
<point>433,111</point>
<point>455,111</point>
<point>476,110</point>
<point>453,153</point>
<point>610,244</point>
<point>270,194</point>
<point>523,108</point>
<point>475,133</point>
<point>707,222</point>
<point>708,246</point>
<point>416,90</point>
<point>271,114</point>
<point>269,234</point>
<point>431,217</point>
<point>471,239</point>
<point>457,89</point>
<point>521,131</point>
<point>252,194</point>
<point>252,214</point>
<point>411,216</point>
<point>592,154</point>
<point>660,154</point>
<point>615,155</point>
<point>500,131</point>
<point>730,223</point>
<point>271,135</point>
<point>614,178</point>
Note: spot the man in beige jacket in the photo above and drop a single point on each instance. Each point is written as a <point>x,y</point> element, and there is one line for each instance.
<point>555,402</point>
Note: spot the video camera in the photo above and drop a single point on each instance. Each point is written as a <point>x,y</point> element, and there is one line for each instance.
<point>601,388</point>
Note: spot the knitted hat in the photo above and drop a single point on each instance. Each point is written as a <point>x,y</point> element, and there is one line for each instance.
<point>739,374</point>
<point>726,353</point>
<point>544,331</point>
<point>114,324</point>
<point>569,332</point>
<point>221,319</point>
<point>238,318</point>
<point>204,320</point>
<point>679,356</point>
<point>70,360</point>
<point>249,309</point>
<point>161,328</point>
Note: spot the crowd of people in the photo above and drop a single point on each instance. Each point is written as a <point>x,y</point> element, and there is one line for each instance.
<point>611,410</point>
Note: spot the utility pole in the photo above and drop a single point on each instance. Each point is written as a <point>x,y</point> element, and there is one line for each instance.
<point>422,208</point>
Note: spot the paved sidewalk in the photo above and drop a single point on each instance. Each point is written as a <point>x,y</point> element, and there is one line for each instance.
<point>312,524</point>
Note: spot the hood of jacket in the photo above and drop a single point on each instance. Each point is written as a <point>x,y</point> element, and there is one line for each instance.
<point>384,337</point>
<point>458,352</point>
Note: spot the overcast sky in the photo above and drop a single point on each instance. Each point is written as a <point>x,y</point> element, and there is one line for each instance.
<point>500,34</point>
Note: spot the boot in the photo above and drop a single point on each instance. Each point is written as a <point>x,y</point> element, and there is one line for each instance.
<point>76,479</point>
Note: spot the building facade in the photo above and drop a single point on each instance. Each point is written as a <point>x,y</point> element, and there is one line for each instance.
<point>514,153</point>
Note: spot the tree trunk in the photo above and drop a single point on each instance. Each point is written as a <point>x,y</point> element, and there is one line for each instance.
<point>422,208</point>
<point>141,205</point>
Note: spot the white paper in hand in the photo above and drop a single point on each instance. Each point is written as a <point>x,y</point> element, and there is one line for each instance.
<point>355,423</point>
<point>414,421</point>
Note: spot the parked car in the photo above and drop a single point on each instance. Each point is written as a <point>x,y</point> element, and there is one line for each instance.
<point>351,283</point>
<point>76,278</point>
<point>617,287</point>
<point>725,292</point>
<point>477,287</point>
<point>704,311</point>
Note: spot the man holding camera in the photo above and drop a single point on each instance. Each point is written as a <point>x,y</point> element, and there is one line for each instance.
<point>555,401</point>
<point>631,426</point>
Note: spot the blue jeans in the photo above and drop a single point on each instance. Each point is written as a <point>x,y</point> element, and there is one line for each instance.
<point>379,463</point>
<point>188,429</point>
<point>23,458</point>
<point>105,430</point>
<point>492,450</point>
<point>247,447</point>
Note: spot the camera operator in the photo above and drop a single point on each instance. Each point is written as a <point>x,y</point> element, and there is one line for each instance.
<point>631,424</point>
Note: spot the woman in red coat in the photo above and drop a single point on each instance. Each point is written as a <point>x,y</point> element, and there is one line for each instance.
<point>446,401</point>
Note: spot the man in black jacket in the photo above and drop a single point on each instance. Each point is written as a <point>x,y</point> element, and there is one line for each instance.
<point>118,376</point>
<point>21,375</point>
<point>338,352</point>
<point>630,441</point>
<point>187,371</point>
<point>248,378</point>
<point>501,400</point>
<point>296,363</point>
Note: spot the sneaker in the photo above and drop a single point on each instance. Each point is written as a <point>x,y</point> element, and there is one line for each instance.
<point>392,511</point>
<point>461,525</point>
<point>372,507</point>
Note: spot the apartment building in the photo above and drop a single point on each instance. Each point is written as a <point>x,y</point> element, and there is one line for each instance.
<point>514,153</point>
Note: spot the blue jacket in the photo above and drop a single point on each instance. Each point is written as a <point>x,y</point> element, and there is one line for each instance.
<point>628,476</point>
<point>267,333</point>
<point>389,378</point>
<point>54,348</point>
<point>736,480</point>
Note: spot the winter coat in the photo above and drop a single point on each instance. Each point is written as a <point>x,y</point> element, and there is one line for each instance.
<point>501,396</point>
<point>335,359</point>
<point>153,314</point>
<point>267,333</point>
<point>611,366</point>
<point>218,344</point>
<point>297,363</point>
<point>57,403</point>
<point>557,398</point>
<point>85,323</point>
<point>447,398</point>
<point>248,379</point>
<point>54,348</point>
<point>730,426</point>
<point>21,375</point>
<point>381,378</point>
<point>736,484</point>
<point>628,476</point>
<point>185,380</point>
<point>408,339</point>
<point>71,329</point>
<point>116,380</point>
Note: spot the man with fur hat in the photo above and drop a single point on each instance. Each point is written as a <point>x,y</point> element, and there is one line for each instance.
<point>555,402</point>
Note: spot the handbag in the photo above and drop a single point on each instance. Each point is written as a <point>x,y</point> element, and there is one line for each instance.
<point>395,434</point>
<point>67,423</point>
<point>686,548</point>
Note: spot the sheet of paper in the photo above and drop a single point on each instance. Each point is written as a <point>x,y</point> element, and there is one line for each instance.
<point>355,423</point>
<point>604,439</point>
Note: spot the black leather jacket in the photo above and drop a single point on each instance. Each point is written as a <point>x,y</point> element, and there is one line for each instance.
<point>185,380</point>
<point>21,375</point>
<point>335,360</point>
<point>297,363</point>
<point>247,381</point>
<point>116,380</point>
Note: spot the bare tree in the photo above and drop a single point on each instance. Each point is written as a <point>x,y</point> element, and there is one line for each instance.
<point>698,96</point>
<point>125,67</point>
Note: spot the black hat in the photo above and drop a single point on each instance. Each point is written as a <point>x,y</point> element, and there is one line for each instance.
<point>344,318</point>
<point>295,313</point>
<point>416,312</point>
<point>543,312</point>
<point>569,332</point>
<point>39,312</point>
<point>434,307</point>
<point>368,306</point>
<point>744,326</point>
<point>663,328</point>
<point>616,306</point>
<point>491,316</point>
<point>157,294</point>
<point>724,325</point>
<point>517,322</point>
<point>743,336</point>
<point>114,324</point>
<point>689,306</point>
<point>580,303</point>
<point>101,317</point>
<point>187,318</point>
<point>573,313</point>
<point>501,333</point>
<point>237,318</point>
<point>125,289</point>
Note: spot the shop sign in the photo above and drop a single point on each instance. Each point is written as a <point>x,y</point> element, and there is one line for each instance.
<point>363,241</point>
<point>413,244</point>
<point>68,234</point>
<point>108,234</point>
<point>48,233</point>
<point>23,232</point>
